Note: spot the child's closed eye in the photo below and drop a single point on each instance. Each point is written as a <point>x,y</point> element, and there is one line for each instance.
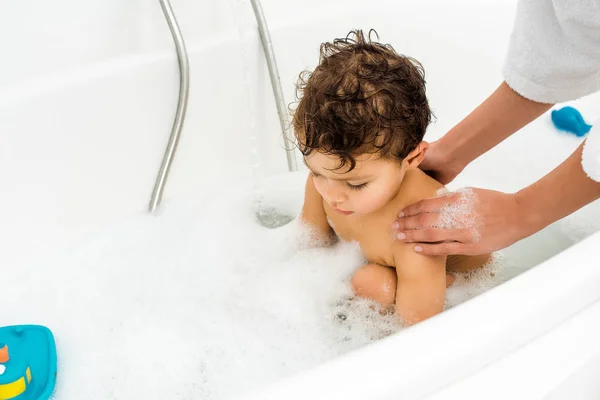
<point>314,175</point>
<point>358,187</point>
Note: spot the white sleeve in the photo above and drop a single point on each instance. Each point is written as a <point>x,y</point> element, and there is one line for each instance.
<point>591,153</point>
<point>554,56</point>
<point>554,51</point>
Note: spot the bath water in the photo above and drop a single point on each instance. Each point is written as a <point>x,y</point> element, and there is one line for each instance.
<point>202,302</point>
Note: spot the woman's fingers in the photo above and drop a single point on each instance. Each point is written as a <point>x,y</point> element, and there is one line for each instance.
<point>442,249</point>
<point>434,235</point>
<point>430,205</point>
<point>419,221</point>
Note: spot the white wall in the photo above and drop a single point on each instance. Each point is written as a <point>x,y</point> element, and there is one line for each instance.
<point>88,92</point>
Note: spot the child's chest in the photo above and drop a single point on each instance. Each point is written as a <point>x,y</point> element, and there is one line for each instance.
<point>373,233</point>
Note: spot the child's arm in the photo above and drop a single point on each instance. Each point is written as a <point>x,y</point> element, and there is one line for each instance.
<point>313,213</point>
<point>421,288</point>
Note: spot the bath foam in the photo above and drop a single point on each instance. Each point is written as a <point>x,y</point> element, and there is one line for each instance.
<point>236,305</point>
<point>473,283</point>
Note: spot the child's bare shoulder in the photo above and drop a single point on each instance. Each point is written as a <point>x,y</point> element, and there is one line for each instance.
<point>376,239</point>
<point>417,185</point>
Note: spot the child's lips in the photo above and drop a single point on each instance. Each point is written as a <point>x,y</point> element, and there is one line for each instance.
<point>344,212</point>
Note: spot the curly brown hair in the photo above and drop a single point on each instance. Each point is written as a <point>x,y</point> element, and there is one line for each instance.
<point>363,97</point>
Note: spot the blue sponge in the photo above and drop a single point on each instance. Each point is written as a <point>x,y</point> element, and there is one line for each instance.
<point>570,120</point>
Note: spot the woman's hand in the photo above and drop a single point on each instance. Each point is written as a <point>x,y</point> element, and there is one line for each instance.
<point>437,164</point>
<point>469,222</point>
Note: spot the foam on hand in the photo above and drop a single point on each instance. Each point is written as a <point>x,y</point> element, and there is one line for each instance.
<point>460,214</point>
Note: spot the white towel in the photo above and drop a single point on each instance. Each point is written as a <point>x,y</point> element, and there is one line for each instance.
<point>554,51</point>
<point>591,153</point>
<point>554,56</point>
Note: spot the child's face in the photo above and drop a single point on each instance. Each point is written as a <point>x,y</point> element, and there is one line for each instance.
<point>368,187</point>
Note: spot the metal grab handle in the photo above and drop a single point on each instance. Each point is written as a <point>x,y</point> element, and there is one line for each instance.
<point>184,89</point>
<point>275,83</point>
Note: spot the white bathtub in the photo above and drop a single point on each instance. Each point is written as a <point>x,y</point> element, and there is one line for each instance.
<point>87,96</point>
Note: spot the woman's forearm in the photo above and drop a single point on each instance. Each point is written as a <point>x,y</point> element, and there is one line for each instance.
<point>563,191</point>
<point>498,117</point>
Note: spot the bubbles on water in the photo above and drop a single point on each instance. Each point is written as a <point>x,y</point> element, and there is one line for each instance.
<point>226,303</point>
<point>473,283</point>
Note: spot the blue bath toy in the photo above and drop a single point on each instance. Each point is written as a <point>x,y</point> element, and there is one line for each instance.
<point>570,120</point>
<point>27,362</point>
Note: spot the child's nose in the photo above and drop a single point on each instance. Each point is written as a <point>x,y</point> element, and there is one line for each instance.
<point>334,193</point>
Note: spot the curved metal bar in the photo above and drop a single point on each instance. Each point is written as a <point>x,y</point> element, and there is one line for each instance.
<point>184,88</point>
<point>275,83</point>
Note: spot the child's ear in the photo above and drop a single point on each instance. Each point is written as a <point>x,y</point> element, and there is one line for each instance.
<point>415,157</point>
